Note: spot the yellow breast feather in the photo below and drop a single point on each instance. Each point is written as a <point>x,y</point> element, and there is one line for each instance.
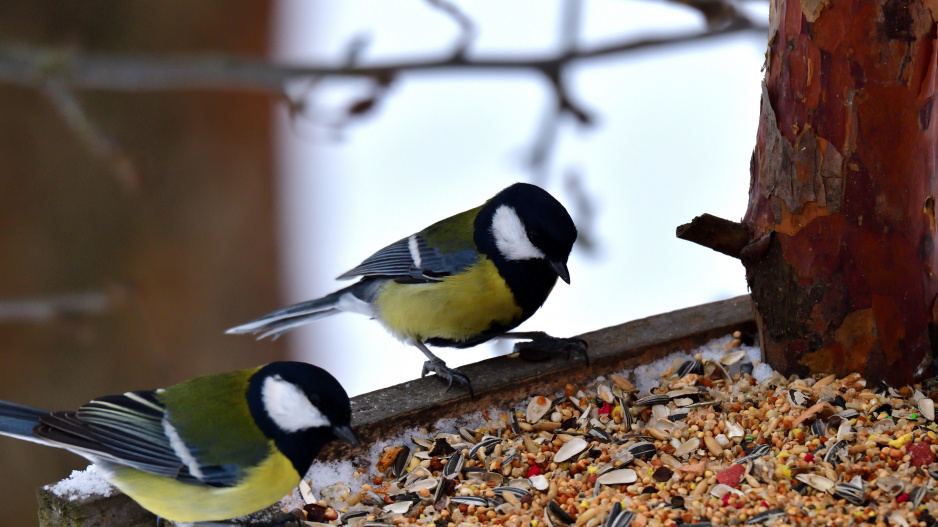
<point>183,502</point>
<point>456,308</point>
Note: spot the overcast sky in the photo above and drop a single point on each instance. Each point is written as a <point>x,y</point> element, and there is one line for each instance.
<point>673,138</point>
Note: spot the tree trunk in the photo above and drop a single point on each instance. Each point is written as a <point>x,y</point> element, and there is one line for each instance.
<point>841,260</point>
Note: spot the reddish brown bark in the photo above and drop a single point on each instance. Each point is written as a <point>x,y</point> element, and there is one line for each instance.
<point>841,261</point>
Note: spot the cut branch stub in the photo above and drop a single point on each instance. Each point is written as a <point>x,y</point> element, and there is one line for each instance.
<point>725,236</point>
<point>842,190</point>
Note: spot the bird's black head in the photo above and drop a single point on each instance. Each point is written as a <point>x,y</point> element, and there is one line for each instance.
<point>529,236</point>
<point>301,407</point>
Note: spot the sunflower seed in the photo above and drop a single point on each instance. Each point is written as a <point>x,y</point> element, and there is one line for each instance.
<point>850,493</point>
<point>732,357</point>
<point>399,507</point>
<point>688,367</point>
<point>643,450</point>
<point>651,400</point>
<point>837,453</point>
<point>927,407</point>
<point>917,495</point>
<point>769,515</point>
<point>517,491</point>
<point>513,423</point>
<point>817,482</point>
<point>799,399</point>
<point>624,457</point>
<point>757,452</point>
<point>623,519</point>
<point>570,449</point>
<point>453,466</point>
<point>402,461</point>
<point>819,427</point>
<point>467,434</point>
<point>622,476</point>
<point>559,515</point>
<point>537,408</point>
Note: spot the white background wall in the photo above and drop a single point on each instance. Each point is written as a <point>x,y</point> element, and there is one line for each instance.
<point>676,128</point>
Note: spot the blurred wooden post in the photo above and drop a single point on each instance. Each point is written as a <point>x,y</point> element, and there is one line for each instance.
<point>177,249</point>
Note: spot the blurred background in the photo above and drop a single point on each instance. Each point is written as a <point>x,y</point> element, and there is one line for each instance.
<point>145,209</point>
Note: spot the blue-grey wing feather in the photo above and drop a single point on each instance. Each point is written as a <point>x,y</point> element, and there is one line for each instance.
<point>128,429</point>
<point>396,261</point>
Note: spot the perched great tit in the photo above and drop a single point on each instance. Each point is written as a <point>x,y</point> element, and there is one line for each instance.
<point>459,282</point>
<point>208,449</point>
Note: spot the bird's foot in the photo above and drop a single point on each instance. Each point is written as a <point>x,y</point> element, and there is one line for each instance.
<point>444,372</point>
<point>541,344</point>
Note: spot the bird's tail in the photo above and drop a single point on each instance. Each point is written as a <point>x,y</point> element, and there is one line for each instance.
<point>18,421</point>
<point>356,298</point>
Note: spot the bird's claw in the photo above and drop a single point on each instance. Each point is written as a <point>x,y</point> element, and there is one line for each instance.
<point>449,374</point>
<point>545,343</point>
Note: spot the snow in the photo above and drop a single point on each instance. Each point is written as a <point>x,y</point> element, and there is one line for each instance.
<point>647,376</point>
<point>82,484</point>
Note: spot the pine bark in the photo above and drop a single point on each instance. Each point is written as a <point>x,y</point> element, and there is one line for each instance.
<point>841,258</point>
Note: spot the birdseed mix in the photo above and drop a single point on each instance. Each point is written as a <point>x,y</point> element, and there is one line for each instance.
<point>708,444</point>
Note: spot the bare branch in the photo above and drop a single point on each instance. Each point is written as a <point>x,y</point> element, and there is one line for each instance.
<point>61,71</point>
<point>46,309</point>
<point>467,27</point>
<point>93,138</point>
<point>570,16</point>
<point>34,67</point>
<point>718,13</point>
<point>584,210</point>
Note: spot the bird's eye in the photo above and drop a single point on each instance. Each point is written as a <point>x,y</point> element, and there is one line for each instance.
<point>534,236</point>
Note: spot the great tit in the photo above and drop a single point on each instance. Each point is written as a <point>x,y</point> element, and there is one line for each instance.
<point>459,282</point>
<point>208,449</point>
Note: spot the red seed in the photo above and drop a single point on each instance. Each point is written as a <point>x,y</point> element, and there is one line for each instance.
<point>731,476</point>
<point>920,454</point>
<point>534,471</point>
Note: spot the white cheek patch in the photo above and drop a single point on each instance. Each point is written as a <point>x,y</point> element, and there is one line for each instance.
<point>288,406</point>
<point>511,238</point>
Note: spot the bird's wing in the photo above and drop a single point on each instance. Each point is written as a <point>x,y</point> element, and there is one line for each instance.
<point>443,249</point>
<point>133,430</point>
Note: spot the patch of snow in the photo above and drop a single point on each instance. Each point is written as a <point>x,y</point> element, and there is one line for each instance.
<point>82,484</point>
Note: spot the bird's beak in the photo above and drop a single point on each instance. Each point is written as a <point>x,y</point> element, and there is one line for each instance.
<point>345,434</point>
<point>561,269</point>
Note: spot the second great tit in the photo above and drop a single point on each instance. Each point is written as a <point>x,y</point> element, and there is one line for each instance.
<point>459,282</point>
<point>208,449</point>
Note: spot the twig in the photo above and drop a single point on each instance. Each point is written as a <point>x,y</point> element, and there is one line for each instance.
<point>88,132</point>
<point>467,29</point>
<point>549,127</point>
<point>584,210</point>
<point>46,309</point>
